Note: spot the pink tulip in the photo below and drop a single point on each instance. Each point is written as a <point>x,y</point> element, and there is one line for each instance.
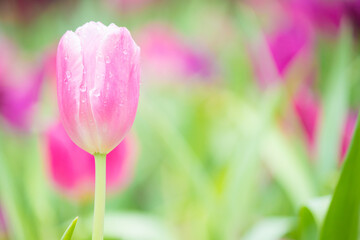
<point>167,54</point>
<point>19,90</point>
<point>72,170</point>
<point>98,78</point>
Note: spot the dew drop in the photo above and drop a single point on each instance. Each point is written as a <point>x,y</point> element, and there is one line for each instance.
<point>66,57</point>
<point>110,75</point>
<point>125,52</point>
<point>68,74</point>
<point>95,93</point>
<point>82,88</point>
<point>83,100</point>
<point>84,71</point>
<point>100,76</point>
<point>99,57</point>
<point>107,59</point>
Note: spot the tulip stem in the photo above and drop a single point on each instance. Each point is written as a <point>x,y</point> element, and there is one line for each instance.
<point>100,190</point>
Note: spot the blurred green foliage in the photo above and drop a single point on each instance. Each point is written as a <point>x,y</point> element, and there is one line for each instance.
<point>215,161</point>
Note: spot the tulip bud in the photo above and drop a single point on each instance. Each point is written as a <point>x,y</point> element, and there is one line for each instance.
<point>98,78</point>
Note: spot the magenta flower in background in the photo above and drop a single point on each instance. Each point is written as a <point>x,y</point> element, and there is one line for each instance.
<point>19,88</point>
<point>328,15</point>
<point>287,43</point>
<point>98,79</point>
<point>286,40</point>
<point>17,102</point>
<point>323,14</point>
<point>167,54</point>
<point>126,6</point>
<point>352,10</point>
<point>72,170</point>
<point>307,109</point>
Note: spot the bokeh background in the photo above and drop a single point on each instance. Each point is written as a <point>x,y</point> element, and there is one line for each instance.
<point>246,112</point>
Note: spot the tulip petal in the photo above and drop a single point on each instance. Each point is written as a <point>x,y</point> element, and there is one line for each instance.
<point>115,93</point>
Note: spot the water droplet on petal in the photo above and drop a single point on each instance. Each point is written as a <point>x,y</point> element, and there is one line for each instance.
<point>99,57</point>
<point>84,71</point>
<point>110,75</point>
<point>66,57</point>
<point>68,74</point>
<point>82,88</point>
<point>107,59</point>
<point>95,92</point>
<point>125,52</point>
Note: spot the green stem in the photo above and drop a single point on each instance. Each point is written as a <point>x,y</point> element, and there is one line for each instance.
<point>100,190</point>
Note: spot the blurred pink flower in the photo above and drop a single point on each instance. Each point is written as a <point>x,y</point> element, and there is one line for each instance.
<point>287,43</point>
<point>307,109</point>
<point>165,52</point>
<point>16,103</point>
<point>352,10</point>
<point>72,170</point>
<point>129,5</point>
<point>324,14</point>
<point>19,88</point>
<point>287,38</point>
<point>327,15</point>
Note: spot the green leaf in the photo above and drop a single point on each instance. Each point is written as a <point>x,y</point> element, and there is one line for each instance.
<point>288,168</point>
<point>70,230</point>
<point>335,103</point>
<point>342,219</point>
<point>135,226</point>
<point>311,217</point>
